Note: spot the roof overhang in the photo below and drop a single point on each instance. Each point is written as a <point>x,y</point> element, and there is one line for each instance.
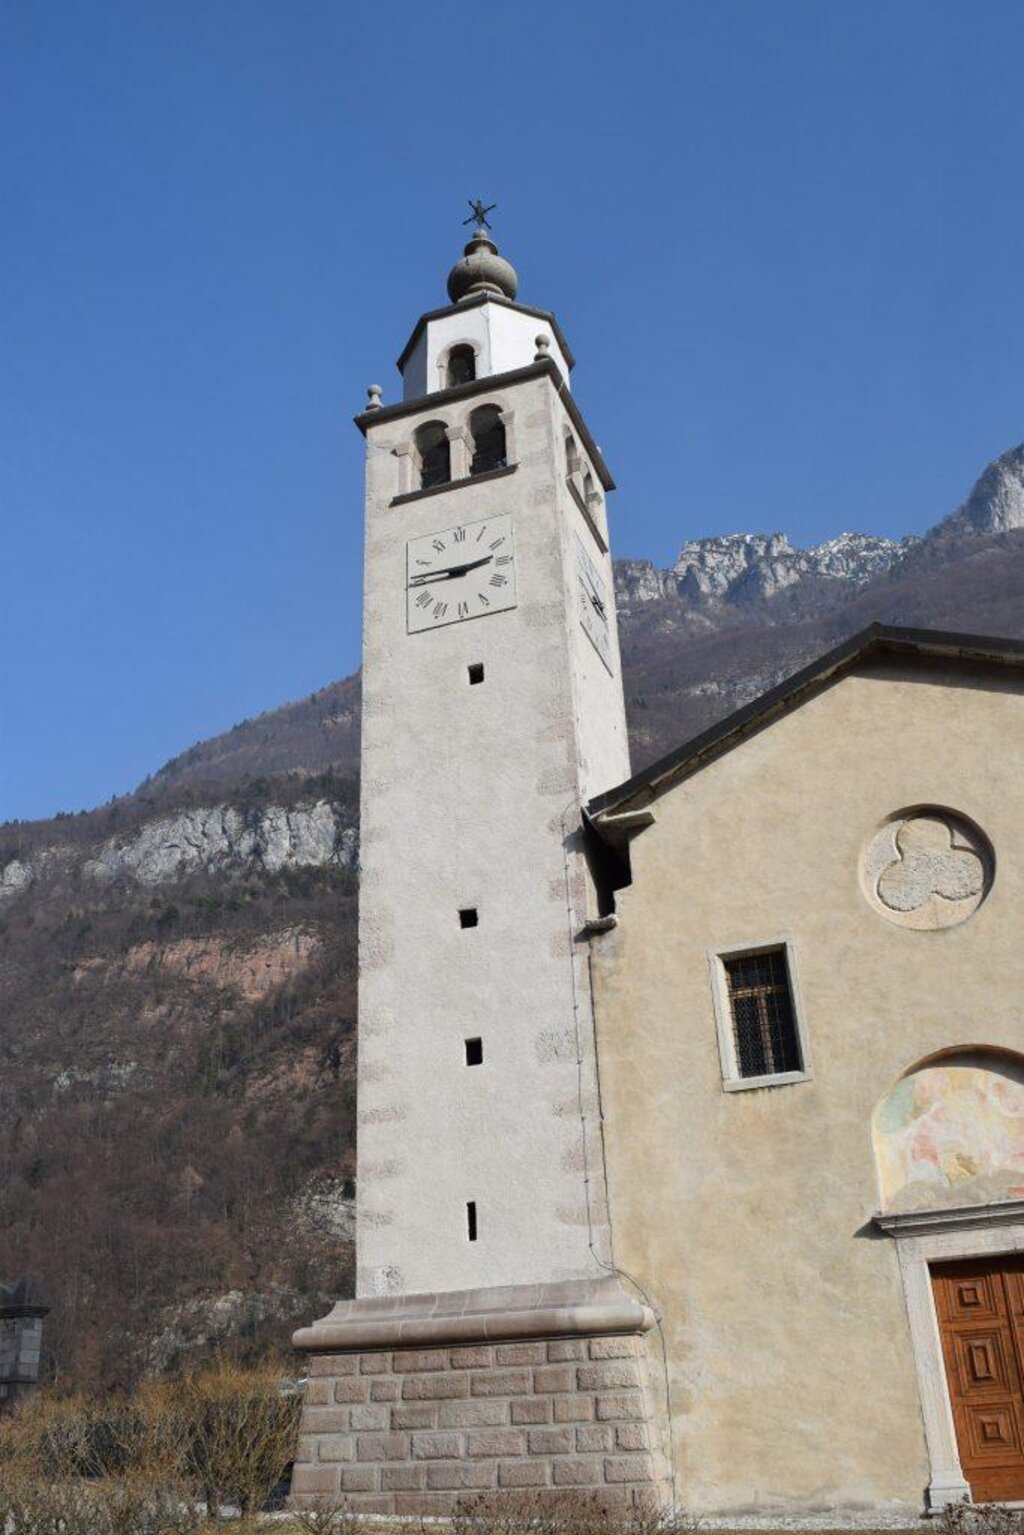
<point>612,813</point>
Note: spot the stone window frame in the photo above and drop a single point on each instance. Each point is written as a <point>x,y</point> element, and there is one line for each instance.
<point>732,1081</point>
<point>924,1237</point>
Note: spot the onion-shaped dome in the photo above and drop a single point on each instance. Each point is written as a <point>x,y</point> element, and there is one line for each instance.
<point>481,270</point>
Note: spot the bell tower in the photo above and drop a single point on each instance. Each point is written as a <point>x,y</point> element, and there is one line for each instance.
<point>492,711</point>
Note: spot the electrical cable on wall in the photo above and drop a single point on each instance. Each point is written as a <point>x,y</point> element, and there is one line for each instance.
<point>611,1268</point>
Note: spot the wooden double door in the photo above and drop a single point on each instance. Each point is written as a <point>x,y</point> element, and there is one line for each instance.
<point>980,1306</point>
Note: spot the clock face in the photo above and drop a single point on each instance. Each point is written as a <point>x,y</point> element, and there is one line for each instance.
<point>463,572</point>
<point>593,604</point>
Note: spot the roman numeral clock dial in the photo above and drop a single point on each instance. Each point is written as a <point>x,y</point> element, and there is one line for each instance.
<point>463,572</point>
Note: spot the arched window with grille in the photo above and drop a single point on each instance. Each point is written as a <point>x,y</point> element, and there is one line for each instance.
<point>435,454</point>
<point>461,365</point>
<point>487,431</point>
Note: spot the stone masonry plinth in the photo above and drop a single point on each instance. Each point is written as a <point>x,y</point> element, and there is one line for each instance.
<point>508,1414</point>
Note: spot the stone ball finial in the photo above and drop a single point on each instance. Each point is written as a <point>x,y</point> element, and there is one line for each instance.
<point>373,397</point>
<point>542,343</point>
<point>481,270</point>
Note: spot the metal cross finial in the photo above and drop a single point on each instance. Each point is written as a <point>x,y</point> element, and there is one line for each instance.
<point>479,213</point>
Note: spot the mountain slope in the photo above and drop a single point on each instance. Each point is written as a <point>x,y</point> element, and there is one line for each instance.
<point>310,736</point>
<point>736,615</point>
<point>177,969</point>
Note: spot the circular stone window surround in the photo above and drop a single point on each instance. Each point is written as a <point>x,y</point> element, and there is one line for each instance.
<point>927,867</point>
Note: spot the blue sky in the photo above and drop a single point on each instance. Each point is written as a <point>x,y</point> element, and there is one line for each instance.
<point>785,239</point>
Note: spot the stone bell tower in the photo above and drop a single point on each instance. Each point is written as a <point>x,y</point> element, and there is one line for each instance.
<point>489,1324</point>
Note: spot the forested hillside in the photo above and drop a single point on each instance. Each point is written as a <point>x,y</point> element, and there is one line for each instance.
<point>177,969</point>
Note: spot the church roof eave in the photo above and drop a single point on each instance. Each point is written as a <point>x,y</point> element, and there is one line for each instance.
<point>611,808</point>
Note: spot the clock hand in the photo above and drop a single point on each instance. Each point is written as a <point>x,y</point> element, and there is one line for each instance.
<point>594,598</point>
<point>450,572</point>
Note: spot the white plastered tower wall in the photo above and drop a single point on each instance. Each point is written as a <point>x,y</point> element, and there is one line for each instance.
<point>471,798</point>
<point>503,337</point>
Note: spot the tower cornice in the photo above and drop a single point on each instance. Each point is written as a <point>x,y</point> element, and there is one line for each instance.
<point>489,385</point>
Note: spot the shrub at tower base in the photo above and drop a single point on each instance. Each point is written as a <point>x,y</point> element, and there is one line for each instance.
<point>168,1459</point>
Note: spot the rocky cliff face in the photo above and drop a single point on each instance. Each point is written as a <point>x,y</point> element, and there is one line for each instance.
<point>209,840</point>
<point>996,503</point>
<point>275,838</point>
<point>745,568</point>
<point>742,570</point>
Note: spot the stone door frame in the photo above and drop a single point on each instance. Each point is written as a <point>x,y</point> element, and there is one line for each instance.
<point>924,1237</point>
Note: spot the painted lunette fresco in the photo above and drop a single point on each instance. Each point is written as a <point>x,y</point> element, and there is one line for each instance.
<point>952,1132</point>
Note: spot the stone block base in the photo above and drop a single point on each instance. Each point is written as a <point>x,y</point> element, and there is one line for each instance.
<point>519,1417</point>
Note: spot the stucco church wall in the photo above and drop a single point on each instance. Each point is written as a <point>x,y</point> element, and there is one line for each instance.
<point>747,1215</point>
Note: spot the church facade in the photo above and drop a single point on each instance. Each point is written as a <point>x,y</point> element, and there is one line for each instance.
<point>690,1104</point>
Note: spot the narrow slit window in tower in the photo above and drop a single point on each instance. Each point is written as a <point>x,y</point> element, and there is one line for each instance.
<point>474,1052</point>
<point>476,672</point>
<point>471,1220</point>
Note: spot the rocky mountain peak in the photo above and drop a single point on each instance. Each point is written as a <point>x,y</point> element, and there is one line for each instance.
<point>742,568</point>
<point>996,502</point>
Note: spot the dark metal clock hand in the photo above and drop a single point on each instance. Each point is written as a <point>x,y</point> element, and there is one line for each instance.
<point>594,598</point>
<point>450,572</point>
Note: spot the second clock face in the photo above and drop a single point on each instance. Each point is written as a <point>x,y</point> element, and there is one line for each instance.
<point>461,572</point>
<point>593,601</point>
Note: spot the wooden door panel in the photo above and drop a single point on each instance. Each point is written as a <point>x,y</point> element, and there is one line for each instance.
<point>994,1434</point>
<point>984,1362</point>
<point>980,1306</point>
<point>974,1299</point>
